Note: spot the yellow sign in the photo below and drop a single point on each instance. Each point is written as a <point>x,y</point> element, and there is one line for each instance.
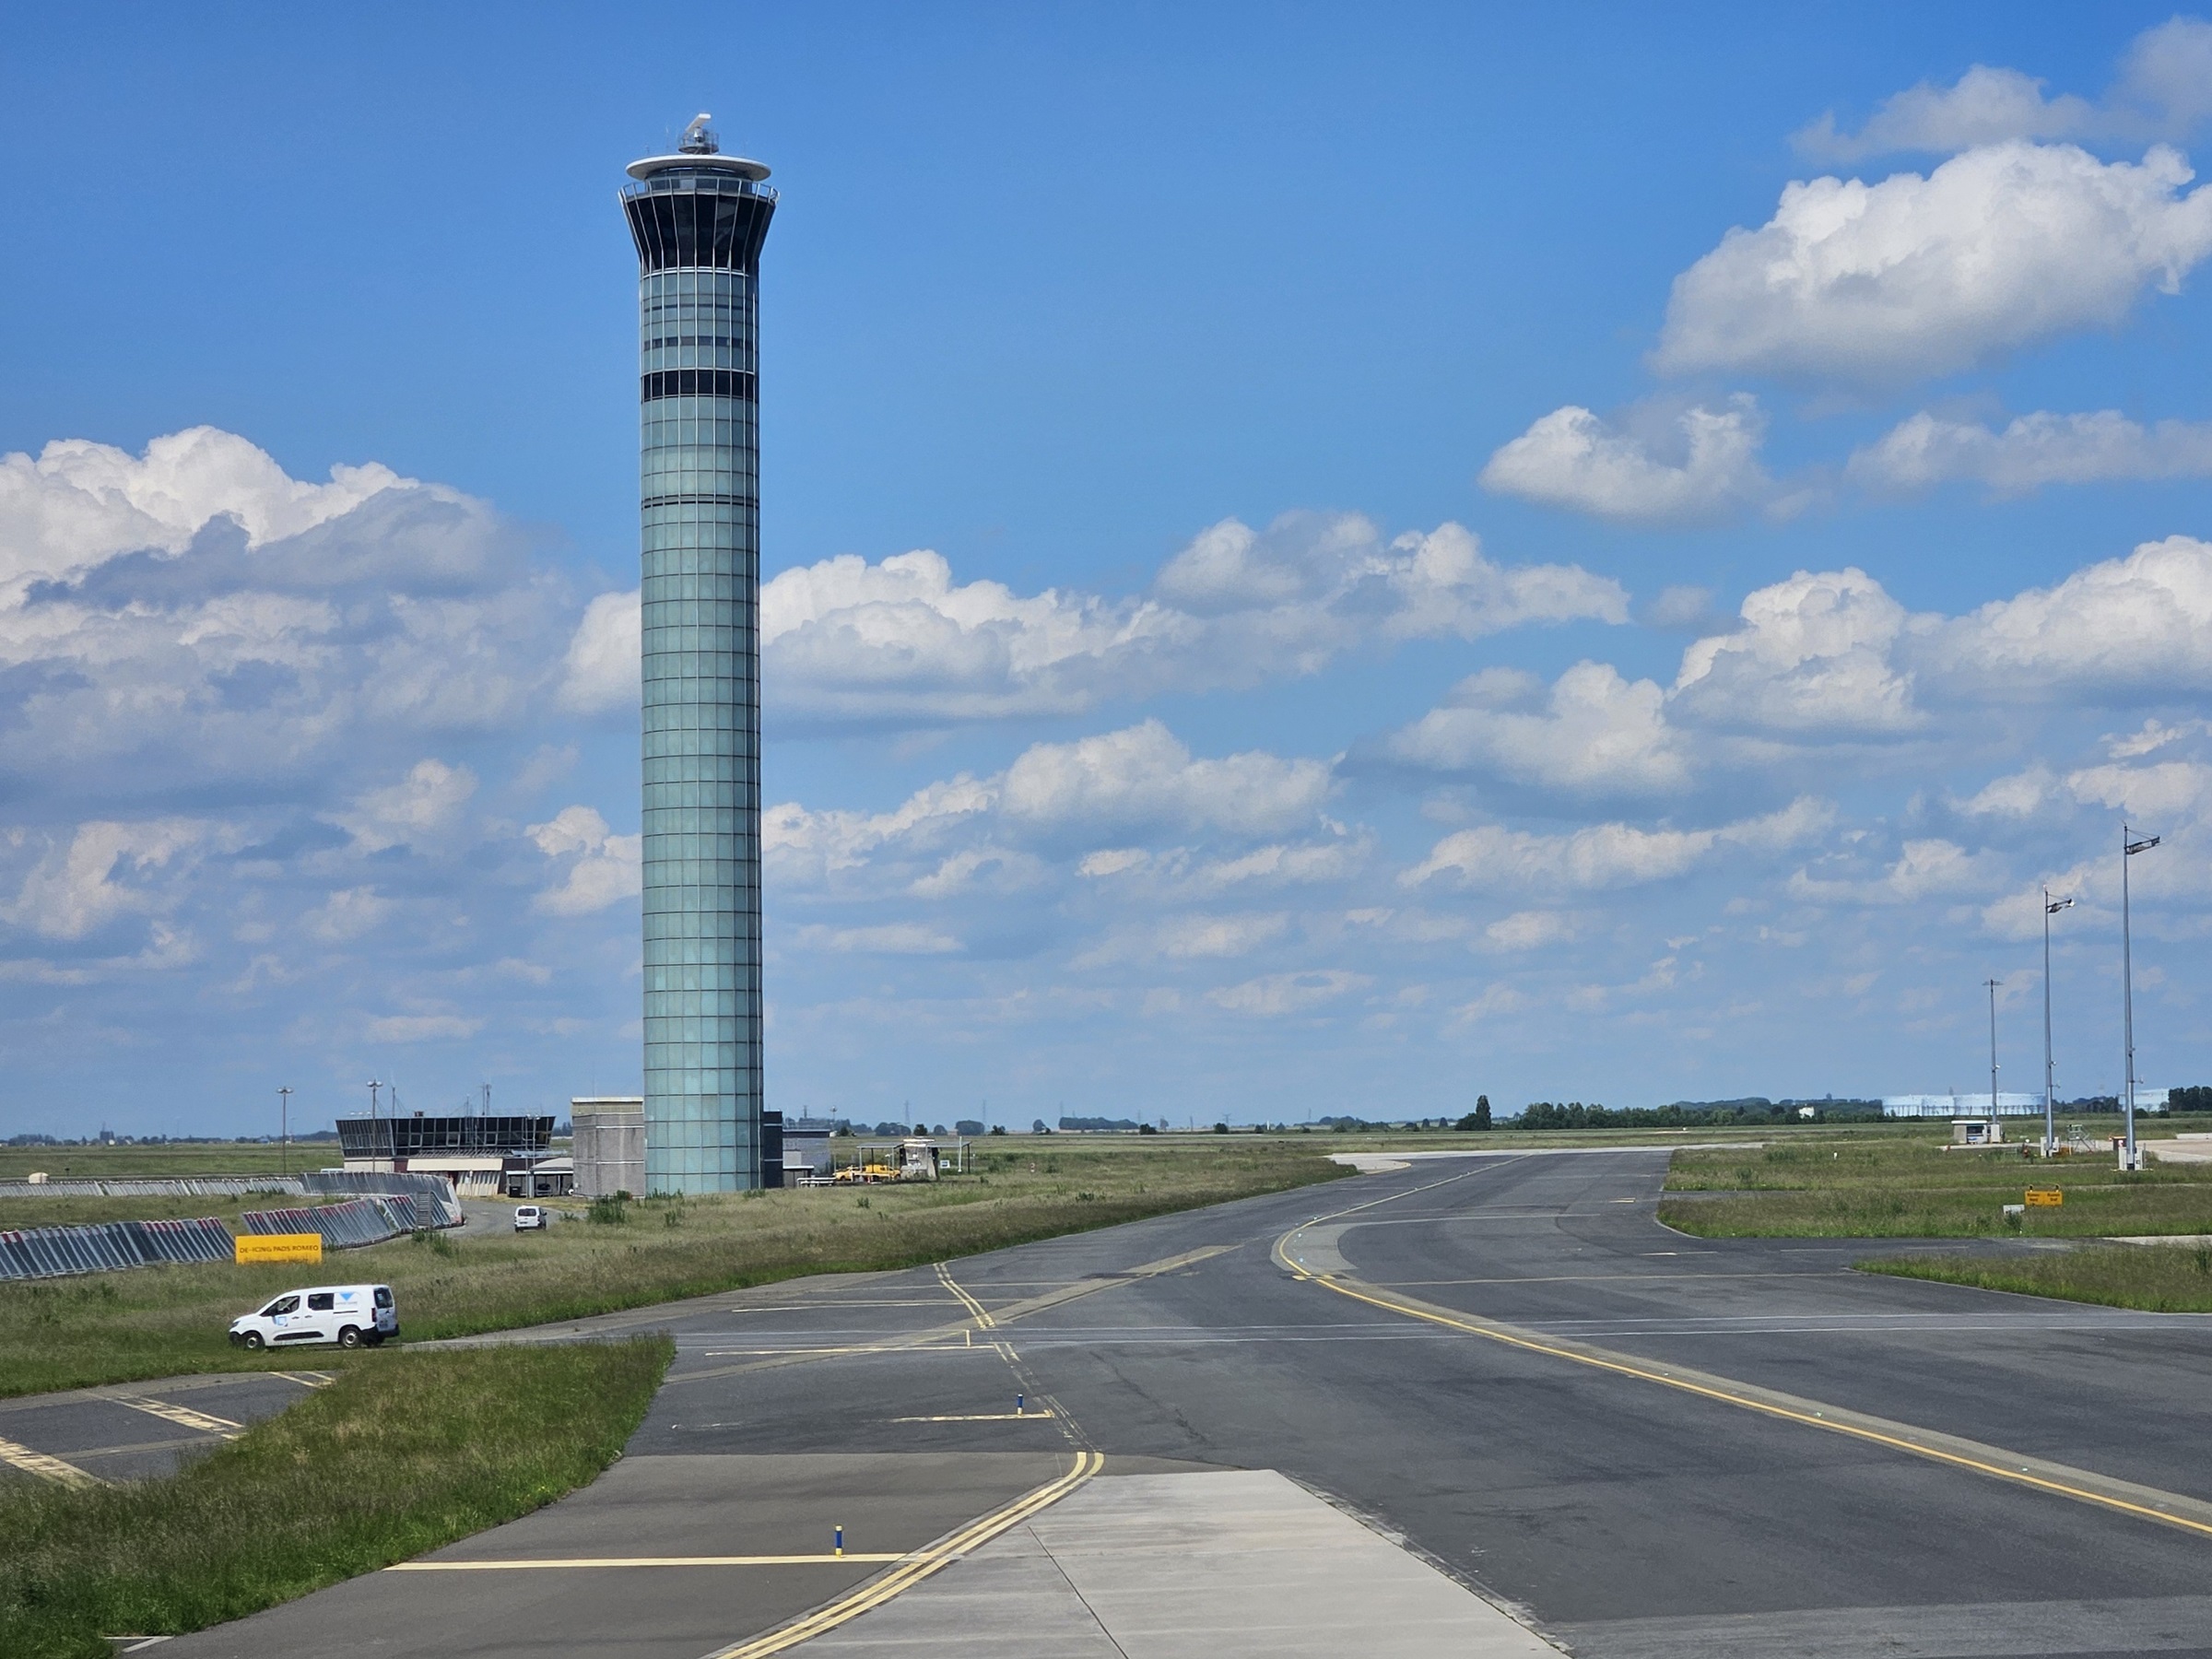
<point>278,1247</point>
<point>2045,1195</point>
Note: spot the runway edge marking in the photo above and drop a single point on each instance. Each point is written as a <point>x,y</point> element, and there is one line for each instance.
<point>918,1566</point>
<point>2064,1480</point>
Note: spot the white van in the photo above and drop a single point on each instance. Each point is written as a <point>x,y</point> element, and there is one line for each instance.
<point>345,1314</point>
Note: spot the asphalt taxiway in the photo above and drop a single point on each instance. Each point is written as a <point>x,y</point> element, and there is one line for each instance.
<point>1600,1434</point>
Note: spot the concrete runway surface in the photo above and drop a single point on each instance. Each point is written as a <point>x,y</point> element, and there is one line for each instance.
<point>1501,1410</point>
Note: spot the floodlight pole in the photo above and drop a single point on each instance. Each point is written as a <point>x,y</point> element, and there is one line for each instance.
<point>2051,908</point>
<point>2130,1159</point>
<point>284,1131</point>
<point>1992,985</point>
<point>372,1085</point>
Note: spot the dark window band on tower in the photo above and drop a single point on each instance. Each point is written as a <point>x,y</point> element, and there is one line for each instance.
<point>696,382</point>
<point>697,497</point>
<point>714,232</point>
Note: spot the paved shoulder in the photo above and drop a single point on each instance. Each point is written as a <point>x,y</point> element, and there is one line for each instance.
<point>1195,1566</point>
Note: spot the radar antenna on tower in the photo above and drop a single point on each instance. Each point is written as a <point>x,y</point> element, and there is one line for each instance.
<point>698,139</point>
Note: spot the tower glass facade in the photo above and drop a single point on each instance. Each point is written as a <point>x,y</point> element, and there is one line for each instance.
<point>699,220</point>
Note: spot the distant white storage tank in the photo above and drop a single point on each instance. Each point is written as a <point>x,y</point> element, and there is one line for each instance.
<point>609,1145</point>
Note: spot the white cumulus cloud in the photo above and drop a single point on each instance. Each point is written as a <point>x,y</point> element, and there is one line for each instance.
<point>2164,89</point>
<point>1596,734</point>
<point>1916,276</point>
<point>1608,854</point>
<point>1701,464</point>
<point>89,882</point>
<point>347,915</point>
<point>901,642</point>
<point>2032,452</point>
<point>2144,620</point>
<point>1275,994</point>
<point>1923,869</point>
<point>420,810</point>
<point>1814,652</point>
<point>598,868</point>
<point>1143,774</point>
<point>602,669</point>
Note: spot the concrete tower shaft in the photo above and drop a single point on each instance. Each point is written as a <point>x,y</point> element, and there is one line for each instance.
<point>698,218</point>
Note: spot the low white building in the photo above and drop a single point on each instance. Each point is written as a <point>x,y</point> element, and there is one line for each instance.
<point>1974,1103</point>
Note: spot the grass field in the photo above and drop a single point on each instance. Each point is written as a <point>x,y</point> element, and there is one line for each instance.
<point>70,1212</point>
<point>395,1459</point>
<point>156,1321</point>
<point>189,1158</point>
<point>2157,1279</point>
<point>1907,1187</point>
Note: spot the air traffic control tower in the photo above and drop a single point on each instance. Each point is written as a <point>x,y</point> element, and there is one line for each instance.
<point>698,218</point>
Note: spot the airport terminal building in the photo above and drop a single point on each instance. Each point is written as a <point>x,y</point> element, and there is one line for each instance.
<point>697,218</point>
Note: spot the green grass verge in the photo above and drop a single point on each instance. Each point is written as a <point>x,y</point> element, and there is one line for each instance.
<point>116,1328</point>
<point>1899,1187</point>
<point>2155,1279</point>
<point>397,1457</point>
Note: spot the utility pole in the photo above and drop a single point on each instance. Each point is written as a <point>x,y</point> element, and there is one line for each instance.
<point>284,1131</point>
<point>1992,985</point>
<point>2131,1156</point>
<point>2051,908</point>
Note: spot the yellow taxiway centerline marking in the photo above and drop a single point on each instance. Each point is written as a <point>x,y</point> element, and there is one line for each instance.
<point>918,1565</point>
<point>45,1467</point>
<point>981,1314</point>
<point>780,1560</point>
<point>938,1339</point>
<point>2062,1481</point>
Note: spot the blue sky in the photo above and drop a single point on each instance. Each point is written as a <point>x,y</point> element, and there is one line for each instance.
<point>1588,556</point>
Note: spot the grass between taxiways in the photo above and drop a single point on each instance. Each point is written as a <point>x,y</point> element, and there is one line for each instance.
<point>2157,1278</point>
<point>1908,1186</point>
<point>115,1327</point>
<point>405,1452</point>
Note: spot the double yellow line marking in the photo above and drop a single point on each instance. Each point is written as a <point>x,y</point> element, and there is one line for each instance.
<point>2083,1486</point>
<point>982,1314</point>
<point>914,1568</point>
<point>536,1565</point>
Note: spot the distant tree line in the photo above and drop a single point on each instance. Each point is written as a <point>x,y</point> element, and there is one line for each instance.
<point>1690,1114</point>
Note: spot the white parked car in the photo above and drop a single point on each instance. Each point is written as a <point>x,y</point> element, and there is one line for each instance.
<point>527,1215</point>
<point>345,1314</point>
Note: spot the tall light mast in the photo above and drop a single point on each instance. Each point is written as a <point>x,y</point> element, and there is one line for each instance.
<point>2131,1157</point>
<point>2051,908</point>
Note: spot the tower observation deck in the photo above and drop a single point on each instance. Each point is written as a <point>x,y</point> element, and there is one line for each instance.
<point>699,217</point>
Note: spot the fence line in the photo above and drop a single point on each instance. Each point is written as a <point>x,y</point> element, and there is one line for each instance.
<point>375,1213</point>
<point>52,1252</point>
<point>156,1186</point>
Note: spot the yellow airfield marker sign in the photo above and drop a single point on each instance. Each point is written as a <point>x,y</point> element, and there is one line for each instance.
<point>2045,1197</point>
<point>278,1247</point>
